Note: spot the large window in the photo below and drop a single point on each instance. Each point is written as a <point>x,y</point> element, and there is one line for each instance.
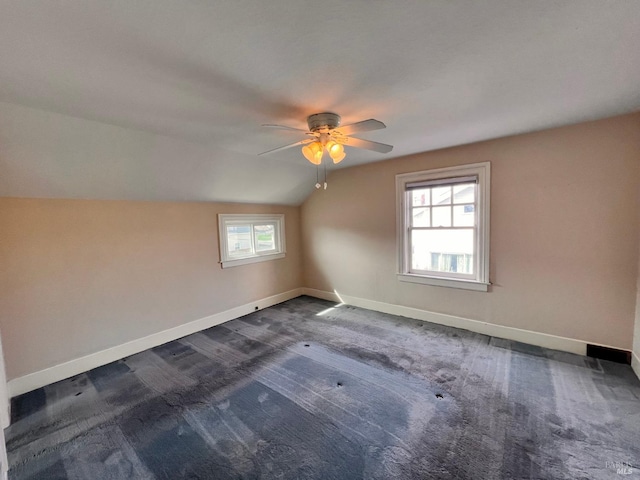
<point>443,226</point>
<point>250,238</point>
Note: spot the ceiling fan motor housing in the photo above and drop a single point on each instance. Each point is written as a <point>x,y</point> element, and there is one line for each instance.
<point>320,121</point>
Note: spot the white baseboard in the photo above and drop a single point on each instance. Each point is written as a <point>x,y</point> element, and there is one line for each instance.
<point>31,381</point>
<point>26,383</point>
<point>510,333</point>
<point>635,363</point>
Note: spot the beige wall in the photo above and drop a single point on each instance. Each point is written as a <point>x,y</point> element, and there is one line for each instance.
<point>81,276</point>
<point>635,360</point>
<point>564,232</point>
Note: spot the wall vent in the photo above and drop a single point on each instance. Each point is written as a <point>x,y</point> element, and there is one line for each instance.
<point>606,353</point>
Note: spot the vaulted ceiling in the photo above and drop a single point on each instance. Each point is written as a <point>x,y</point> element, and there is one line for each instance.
<point>164,100</point>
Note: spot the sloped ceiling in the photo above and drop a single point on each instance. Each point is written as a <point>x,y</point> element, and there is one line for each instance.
<point>163,100</point>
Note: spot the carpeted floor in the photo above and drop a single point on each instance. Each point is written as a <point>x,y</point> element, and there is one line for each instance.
<point>302,390</point>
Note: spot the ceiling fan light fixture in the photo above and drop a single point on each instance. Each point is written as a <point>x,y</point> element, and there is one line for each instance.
<point>313,152</point>
<point>336,151</point>
<point>338,158</point>
<point>333,148</point>
<point>326,133</point>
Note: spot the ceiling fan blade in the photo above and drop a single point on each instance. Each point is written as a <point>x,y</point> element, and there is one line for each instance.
<point>284,127</point>
<point>363,126</point>
<point>301,142</point>
<point>367,144</point>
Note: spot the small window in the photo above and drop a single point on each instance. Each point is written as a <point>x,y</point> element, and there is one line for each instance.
<point>250,238</point>
<point>443,226</point>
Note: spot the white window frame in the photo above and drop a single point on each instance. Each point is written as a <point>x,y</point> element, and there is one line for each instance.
<point>480,280</point>
<point>225,220</point>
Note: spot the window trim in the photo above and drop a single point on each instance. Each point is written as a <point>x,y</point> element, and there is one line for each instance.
<point>225,219</point>
<point>482,171</point>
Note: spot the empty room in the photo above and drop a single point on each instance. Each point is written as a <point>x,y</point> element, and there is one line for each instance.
<point>319,240</point>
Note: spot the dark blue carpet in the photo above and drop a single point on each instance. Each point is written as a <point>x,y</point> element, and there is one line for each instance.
<point>305,391</point>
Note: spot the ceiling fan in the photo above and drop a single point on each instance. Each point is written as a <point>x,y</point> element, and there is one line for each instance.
<point>325,133</point>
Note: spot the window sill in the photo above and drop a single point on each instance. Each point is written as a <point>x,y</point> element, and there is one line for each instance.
<point>248,260</point>
<point>445,282</point>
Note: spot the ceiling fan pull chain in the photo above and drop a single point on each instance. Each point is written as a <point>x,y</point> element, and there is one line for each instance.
<point>325,175</point>
<point>318,176</point>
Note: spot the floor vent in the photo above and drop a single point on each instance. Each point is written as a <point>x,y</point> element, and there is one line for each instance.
<point>606,353</point>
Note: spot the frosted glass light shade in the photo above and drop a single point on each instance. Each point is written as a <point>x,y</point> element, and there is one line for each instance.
<point>313,152</point>
<point>336,151</point>
<point>338,158</point>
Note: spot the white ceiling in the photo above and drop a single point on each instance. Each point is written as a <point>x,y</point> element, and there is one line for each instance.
<point>163,100</point>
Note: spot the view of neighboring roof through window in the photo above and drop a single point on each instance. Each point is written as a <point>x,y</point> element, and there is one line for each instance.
<point>442,228</point>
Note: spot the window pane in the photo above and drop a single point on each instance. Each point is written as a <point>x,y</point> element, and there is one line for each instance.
<point>420,197</point>
<point>420,217</point>
<point>442,216</point>
<point>239,240</point>
<point>250,238</point>
<point>441,195</point>
<point>265,237</point>
<point>442,250</point>
<point>464,216</point>
<point>464,193</point>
